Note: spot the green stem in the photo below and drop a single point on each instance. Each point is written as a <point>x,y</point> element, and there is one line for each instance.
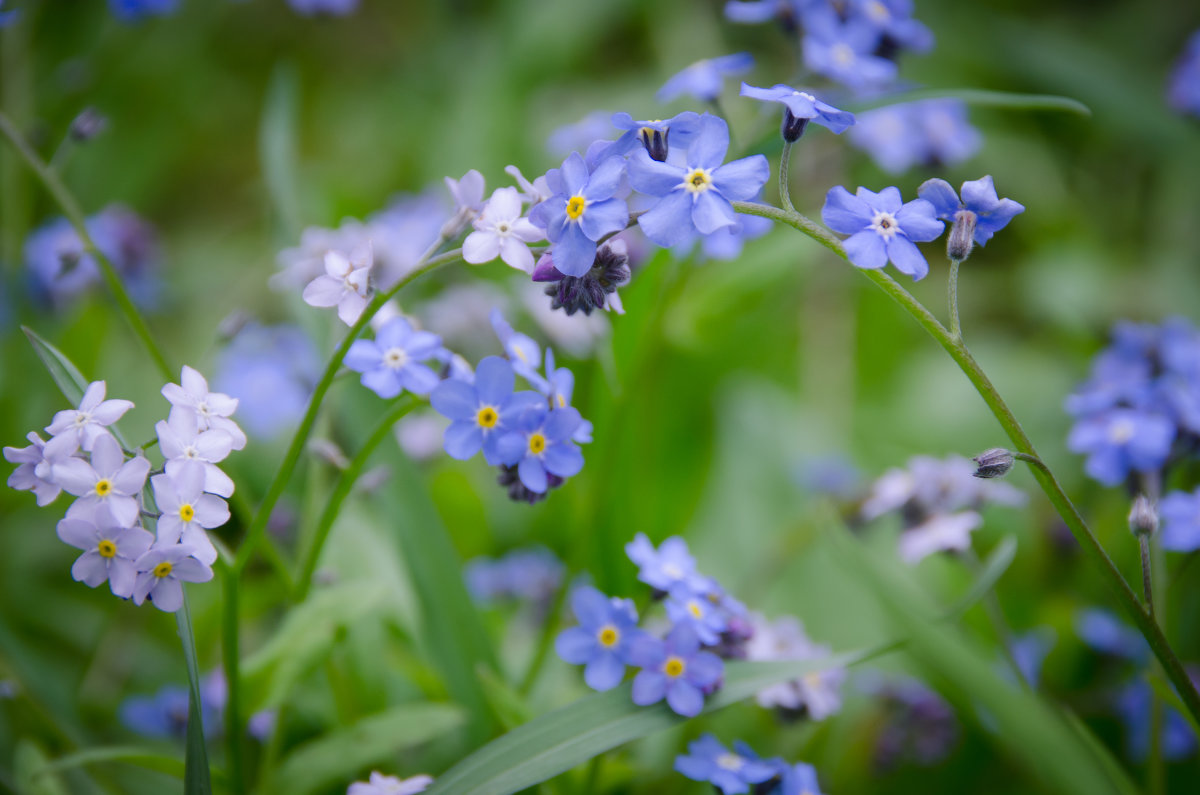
<point>995,614</point>
<point>785,196</point>
<point>1021,442</point>
<point>342,490</point>
<point>291,458</point>
<point>230,653</point>
<point>196,774</point>
<point>952,294</point>
<point>74,214</point>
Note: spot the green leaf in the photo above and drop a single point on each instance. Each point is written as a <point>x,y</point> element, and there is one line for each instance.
<point>993,568</point>
<point>129,754</point>
<point>28,761</point>
<point>339,756</point>
<point>993,99</point>
<point>66,375</point>
<point>277,146</point>
<point>197,778</point>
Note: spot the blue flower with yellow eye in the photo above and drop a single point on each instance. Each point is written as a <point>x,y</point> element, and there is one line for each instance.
<point>696,610</point>
<point>731,772</point>
<point>676,669</point>
<point>539,444</point>
<point>583,210</point>
<point>482,411</point>
<point>602,641</point>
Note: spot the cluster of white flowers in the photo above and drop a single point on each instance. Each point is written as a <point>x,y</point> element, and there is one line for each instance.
<point>107,520</point>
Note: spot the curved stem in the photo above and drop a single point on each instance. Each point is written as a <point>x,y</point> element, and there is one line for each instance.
<point>70,207</point>
<point>952,294</point>
<point>785,196</point>
<point>342,490</point>
<point>1008,421</point>
<point>283,474</point>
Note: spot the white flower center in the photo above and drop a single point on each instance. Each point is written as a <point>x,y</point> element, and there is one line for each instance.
<point>503,229</point>
<point>672,571</point>
<point>878,11</point>
<point>885,225</point>
<point>843,55</point>
<point>202,408</point>
<point>82,418</point>
<point>190,452</point>
<point>729,761</point>
<point>395,358</point>
<point>1120,431</point>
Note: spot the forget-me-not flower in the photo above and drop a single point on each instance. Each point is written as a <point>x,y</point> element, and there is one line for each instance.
<point>1120,441</point>
<point>184,446</point>
<point>92,418</point>
<point>655,134</point>
<point>931,132</point>
<point>379,784</point>
<point>584,209</point>
<point>1180,512</point>
<point>882,228</point>
<point>25,477</point>
<point>109,550</point>
<point>687,607</point>
<point>109,480</point>
<point>133,10</point>
<point>602,641</point>
<point>704,79</point>
<point>538,442</point>
<point>213,409</point>
<point>800,107</point>
<point>799,779</point>
<point>695,197</point>
<point>393,361</point>
<point>345,284</point>
<point>162,572</point>
<point>187,511</point>
<point>481,411</point>
<point>676,669</point>
<point>731,772</point>
<point>271,371</point>
<point>662,568</point>
<point>1183,90</point>
<point>980,209</point>
<point>846,53</point>
<point>501,231</point>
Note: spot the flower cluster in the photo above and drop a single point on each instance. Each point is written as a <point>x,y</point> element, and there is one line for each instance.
<point>918,725</point>
<point>939,502</point>
<point>816,695</point>
<point>742,770</point>
<point>531,575</point>
<point>84,458</point>
<point>164,715</point>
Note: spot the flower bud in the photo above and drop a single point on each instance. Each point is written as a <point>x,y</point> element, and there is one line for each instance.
<point>87,125</point>
<point>962,236</point>
<point>1143,520</point>
<point>655,142</point>
<point>993,463</point>
<point>793,128</point>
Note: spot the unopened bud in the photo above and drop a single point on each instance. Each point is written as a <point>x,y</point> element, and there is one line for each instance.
<point>962,236</point>
<point>87,125</point>
<point>993,463</point>
<point>1143,520</point>
<point>793,128</point>
<point>655,142</point>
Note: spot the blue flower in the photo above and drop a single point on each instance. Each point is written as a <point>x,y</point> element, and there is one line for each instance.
<point>1030,650</point>
<point>578,136</point>
<point>654,134</point>
<point>978,197</point>
<point>1183,90</point>
<point>1134,705</point>
<point>662,568</point>
<point>482,411</point>
<point>391,362</point>
<point>1180,514</point>
<point>607,631</point>
<point>677,669</point>
<point>133,10</point>
<point>729,771</point>
<point>1120,441</point>
<point>1105,633</point>
<point>560,387</point>
<point>703,79</point>
<point>753,12</point>
<point>271,370</point>
<point>687,607</point>
<point>583,210</point>
<point>522,351</point>
<point>7,17</point>
<point>332,7</point>
<point>893,21</point>
<point>800,108</point>
<point>845,53</point>
<point>882,228</point>
<point>539,444</point>
<point>696,197</point>
<point>799,779</point>
<point>532,574</point>
<point>931,132</point>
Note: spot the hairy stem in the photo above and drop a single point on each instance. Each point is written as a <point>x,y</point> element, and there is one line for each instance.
<point>952,295</point>
<point>70,207</point>
<point>1045,477</point>
<point>785,196</point>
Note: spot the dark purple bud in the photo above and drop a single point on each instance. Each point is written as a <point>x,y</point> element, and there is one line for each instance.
<point>511,480</point>
<point>793,128</point>
<point>590,291</point>
<point>962,236</point>
<point>1143,520</point>
<point>545,271</point>
<point>87,125</point>
<point>994,463</point>
<point>655,142</point>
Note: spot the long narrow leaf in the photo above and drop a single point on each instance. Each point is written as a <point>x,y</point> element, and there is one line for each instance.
<point>129,754</point>
<point>995,99</point>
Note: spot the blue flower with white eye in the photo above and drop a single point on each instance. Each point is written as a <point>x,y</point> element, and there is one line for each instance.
<point>583,210</point>
<point>539,444</point>
<point>392,362</point>
<point>662,568</point>
<point>882,228</point>
<point>602,641</point>
<point>729,771</point>
<point>1120,441</point>
<point>481,411</point>
<point>800,107</point>
<point>979,198</point>
<point>676,669</point>
<point>892,20</point>
<point>845,53</point>
<point>704,79</point>
<point>695,197</point>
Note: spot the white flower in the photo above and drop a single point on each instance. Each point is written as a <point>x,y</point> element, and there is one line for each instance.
<point>939,533</point>
<point>25,477</point>
<point>109,550</point>
<point>213,409</point>
<point>185,446</point>
<point>88,422</point>
<point>380,784</point>
<point>345,284</point>
<point>305,262</point>
<point>187,511</point>
<point>108,480</point>
<point>500,231</point>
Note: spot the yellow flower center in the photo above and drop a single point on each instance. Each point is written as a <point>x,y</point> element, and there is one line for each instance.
<point>698,180</point>
<point>162,569</point>
<point>186,512</point>
<point>537,443</point>
<point>107,549</point>
<point>694,609</point>
<point>608,636</point>
<point>487,417</point>
<point>103,487</point>
<point>674,666</point>
<point>575,207</point>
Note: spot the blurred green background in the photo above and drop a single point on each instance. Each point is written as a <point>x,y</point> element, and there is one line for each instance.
<point>726,378</point>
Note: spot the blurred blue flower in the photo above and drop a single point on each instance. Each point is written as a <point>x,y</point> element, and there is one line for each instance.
<point>727,243</point>
<point>524,354</point>
<point>165,714</point>
<point>846,53</point>
<point>695,197</point>
<point>918,723</point>
<point>607,631</point>
<point>675,668</point>
<point>392,362</point>
<point>1180,514</point>
<point>1120,441</point>
<point>893,21</point>
<point>686,607</point>
<point>799,779</point>
<point>578,136</point>
<point>271,370</point>
<point>1134,707</point>
<point>729,771</point>
<point>1105,633</point>
<point>7,17</point>
<point>538,442</point>
<point>753,12</point>
<point>979,197</point>
<point>930,133</point>
<point>662,568</point>
<point>584,209</point>
<point>332,7</point>
<point>882,228</point>
<point>480,412</point>
<point>1030,650</point>
<point>134,10</point>
<point>704,79</point>
<point>1183,90</point>
<point>531,574</point>
<point>800,108</point>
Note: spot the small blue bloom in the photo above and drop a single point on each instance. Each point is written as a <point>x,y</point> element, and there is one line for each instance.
<point>163,715</point>
<point>1105,633</point>
<point>1183,90</point>
<point>799,779</point>
<point>845,53</point>
<point>1030,651</point>
<point>655,134</point>
<point>1134,705</point>
<point>1120,441</point>
<point>271,370</point>
<point>703,79</point>
<point>882,228</point>
<point>522,351</point>
<point>753,12</point>
<point>893,21</point>
<point>979,197</point>
<point>695,198</point>
<point>677,669</point>
<point>800,108</point>
<point>577,137</point>
<point>662,568</point>
<point>7,17</point>
<point>482,411</point>
<point>337,8</point>
<point>687,607</point>
<point>729,771</point>
<point>560,386</point>
<point>134,10</point>
<point>1180,513</point>
<point>931,132</point>
<point>532,574</point>
<point>392,362</point>
<point>538,442</point>
<point>583,210</point>
<point>607,631</point>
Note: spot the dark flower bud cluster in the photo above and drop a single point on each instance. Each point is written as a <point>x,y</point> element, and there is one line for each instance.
<point>595,289</point>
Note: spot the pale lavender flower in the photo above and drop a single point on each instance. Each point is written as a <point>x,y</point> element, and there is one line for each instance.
<point>346,284</point>
<point>392,362</point>
<point>213,409</point>
<point>500,231</point>
<point>108,480</point>
<point>380,784</point>
<point>182,445</point>
<point>90,420</point>
<point>109,550</point>
<point>187,511</point>
<point>931,133</point>
<point>25,477</point>
<point>703,79</point>
<point>162,572</point>
<point>336,8</point>
<point>817,694</point>
<point>1180,513</point>
<point>939,533</point>
<point>467,194</point>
